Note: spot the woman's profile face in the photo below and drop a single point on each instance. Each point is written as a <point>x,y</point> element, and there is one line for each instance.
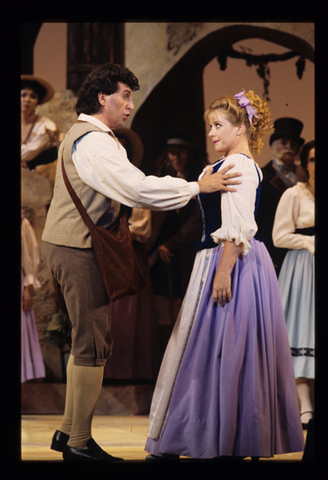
<point>222,133</point>
<point>29,100</point>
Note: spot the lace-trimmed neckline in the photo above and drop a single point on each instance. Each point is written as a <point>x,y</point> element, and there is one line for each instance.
<point>224,158</point>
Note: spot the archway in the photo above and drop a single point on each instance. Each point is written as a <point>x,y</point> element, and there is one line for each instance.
<point>177,102</point>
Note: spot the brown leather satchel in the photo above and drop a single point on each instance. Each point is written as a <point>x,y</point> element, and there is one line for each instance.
<point>114,251</point>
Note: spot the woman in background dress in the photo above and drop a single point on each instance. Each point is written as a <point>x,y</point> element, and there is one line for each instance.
<point>40,136</point>
<point>294,229</point>
<point>32,365</point>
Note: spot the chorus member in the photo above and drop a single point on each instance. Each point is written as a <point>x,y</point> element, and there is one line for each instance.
<point>40,136</point>
<point>32,365</point>
<point>280,173</point>
<point>171,253</point>
<point>294,230</point>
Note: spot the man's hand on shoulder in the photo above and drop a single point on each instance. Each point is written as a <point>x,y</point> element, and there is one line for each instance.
<point>219,181</point>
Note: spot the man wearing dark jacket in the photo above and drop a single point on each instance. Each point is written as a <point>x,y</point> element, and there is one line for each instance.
<point>278,175</point>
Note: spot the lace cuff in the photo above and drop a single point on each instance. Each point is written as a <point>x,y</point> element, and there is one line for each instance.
<point>232,235</point>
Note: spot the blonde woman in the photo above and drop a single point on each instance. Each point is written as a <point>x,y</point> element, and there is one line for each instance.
<point>226,387</point>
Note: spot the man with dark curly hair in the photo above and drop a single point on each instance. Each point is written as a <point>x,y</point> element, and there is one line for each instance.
<point>103,178</point>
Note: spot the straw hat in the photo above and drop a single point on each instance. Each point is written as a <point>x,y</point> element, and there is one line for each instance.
<point>43,83</point>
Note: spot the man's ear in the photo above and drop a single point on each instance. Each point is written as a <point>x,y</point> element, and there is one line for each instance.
<point>101,98</point>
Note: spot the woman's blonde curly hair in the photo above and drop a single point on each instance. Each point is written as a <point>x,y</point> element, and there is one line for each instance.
<point>237,115</point>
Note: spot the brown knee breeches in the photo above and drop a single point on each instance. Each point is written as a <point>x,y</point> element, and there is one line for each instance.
<point>78,274</point>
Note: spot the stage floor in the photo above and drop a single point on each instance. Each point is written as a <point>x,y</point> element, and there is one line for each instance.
<point>121,436</point>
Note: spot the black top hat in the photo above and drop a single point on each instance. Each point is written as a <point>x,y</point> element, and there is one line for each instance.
<point>287,127</point>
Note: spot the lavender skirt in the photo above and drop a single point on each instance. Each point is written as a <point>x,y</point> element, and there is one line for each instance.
<point>32,365</point>
<point>230,389</point>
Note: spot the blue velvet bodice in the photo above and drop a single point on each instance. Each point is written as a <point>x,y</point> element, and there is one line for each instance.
<point>209,205</point>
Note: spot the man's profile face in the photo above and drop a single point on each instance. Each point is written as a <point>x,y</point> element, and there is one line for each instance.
<point>117,106</point>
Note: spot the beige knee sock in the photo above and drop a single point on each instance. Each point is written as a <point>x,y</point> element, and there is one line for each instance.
<point>86,385</point>
<point>66,424</point>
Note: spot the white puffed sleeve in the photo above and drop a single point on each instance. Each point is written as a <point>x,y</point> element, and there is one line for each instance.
<point>237,208</point>
<point>44,135</point>
<point>102,163</point>
<point>295,210</point>
<point>140,224</point>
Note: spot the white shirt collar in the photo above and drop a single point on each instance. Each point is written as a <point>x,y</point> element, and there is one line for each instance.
<point>278,162</point>
<point>91,119</point>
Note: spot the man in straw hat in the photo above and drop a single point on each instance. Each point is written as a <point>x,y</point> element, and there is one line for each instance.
<point>99,170</point>
<point>278,175</point>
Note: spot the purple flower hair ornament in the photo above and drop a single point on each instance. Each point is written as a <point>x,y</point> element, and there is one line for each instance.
<point>244,102</point>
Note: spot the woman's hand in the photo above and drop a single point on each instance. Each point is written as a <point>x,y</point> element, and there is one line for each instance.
<point>222,288</point>
<point>219,180</point>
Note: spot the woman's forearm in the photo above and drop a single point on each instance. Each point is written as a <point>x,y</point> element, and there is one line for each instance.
<point>222,279</point>
<point>231,252</point>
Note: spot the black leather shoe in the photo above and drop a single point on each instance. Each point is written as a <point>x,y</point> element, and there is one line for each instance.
<point>59,441</point>
<point>92,452</point>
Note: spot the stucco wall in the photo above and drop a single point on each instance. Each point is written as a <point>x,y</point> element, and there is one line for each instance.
<point>151,50</point>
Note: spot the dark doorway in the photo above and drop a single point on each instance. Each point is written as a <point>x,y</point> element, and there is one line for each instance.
<point>177,101</point>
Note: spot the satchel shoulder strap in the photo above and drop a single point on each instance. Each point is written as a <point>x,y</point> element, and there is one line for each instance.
<point>75,198</point>
<point>87,220</point>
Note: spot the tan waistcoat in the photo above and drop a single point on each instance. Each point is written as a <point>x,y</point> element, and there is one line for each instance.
<point>64,225</point>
